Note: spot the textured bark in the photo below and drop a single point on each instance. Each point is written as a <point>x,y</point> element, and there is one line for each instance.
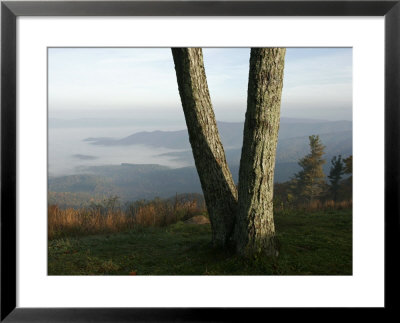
<point>255,230</point>
<point>216,180</point>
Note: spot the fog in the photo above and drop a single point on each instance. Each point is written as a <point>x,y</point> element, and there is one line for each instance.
<point>68,153</point>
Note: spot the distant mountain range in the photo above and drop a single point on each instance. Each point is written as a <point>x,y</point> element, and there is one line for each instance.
<point>231,134</point>
<point>132,182</point>
<point>293,140</point>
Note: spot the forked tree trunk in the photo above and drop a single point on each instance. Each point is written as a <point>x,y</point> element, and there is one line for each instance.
<point>255,229</point>
<point>216,180</point>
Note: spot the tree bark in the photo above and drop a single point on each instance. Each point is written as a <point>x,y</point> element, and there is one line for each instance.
<point>255,229</point>
<point>216,180</point>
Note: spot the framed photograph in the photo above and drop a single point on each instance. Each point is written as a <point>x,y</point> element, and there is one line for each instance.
<point>193,160</point>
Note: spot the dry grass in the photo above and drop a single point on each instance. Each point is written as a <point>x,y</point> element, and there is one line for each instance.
<point>110,218</point>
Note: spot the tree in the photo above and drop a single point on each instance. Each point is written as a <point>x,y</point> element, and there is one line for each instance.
<point>348,162</point>
<point>310,181</point>
<point>347,184</point>
<point>253,224</point>
<point>255,229</point>
<point>335,175</point>
<point>216,180</point>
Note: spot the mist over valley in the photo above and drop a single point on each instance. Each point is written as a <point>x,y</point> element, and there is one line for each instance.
<point>144,161</point>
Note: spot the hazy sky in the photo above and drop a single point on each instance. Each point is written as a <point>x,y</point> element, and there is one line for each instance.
<point>91,81</point>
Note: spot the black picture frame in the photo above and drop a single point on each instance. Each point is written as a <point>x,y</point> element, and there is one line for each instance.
<point>10,10</point>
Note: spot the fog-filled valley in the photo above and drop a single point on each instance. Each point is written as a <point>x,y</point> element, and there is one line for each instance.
<point>93,158</point>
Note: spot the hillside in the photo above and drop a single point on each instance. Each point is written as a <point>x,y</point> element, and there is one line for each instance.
<point>135,182</point>
<point>129,182</point>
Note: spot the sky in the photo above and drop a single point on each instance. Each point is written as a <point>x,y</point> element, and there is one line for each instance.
<point>112,82</point>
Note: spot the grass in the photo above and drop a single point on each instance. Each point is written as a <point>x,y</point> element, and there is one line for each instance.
<point>109,217</point>
<point>312,243</point>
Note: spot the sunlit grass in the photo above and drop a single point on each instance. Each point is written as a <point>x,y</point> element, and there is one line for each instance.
<point>312,243</point>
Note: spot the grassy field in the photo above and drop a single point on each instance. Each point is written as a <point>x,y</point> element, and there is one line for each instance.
<point>316,243</point>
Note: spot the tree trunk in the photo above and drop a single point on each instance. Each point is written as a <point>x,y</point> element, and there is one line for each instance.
<point>216,180</point>
<point>255,229</point>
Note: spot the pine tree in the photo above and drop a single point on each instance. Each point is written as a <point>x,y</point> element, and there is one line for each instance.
<point>348,162</point>
<point>347,184</point>
<point>310,181</point>
<point>335,175</point>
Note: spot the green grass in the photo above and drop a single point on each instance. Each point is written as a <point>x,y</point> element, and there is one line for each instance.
<point>318,243</point>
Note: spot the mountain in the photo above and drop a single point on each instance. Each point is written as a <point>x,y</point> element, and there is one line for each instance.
<point>231,134</point>
<point>289,150</point>
<point>169,139</point>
